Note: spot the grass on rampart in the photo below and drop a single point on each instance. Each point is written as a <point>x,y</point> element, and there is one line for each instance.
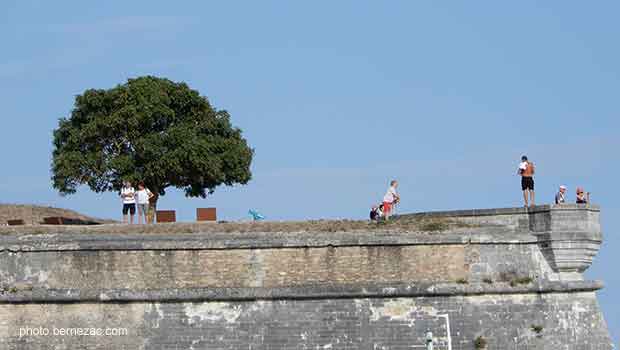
<point>434,225</point>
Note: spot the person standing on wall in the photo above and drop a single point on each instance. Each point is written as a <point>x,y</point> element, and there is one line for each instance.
<point>152,212</point>
<point>128,194</point>
<point>390,199</point>
<point>560,197</point>
<point>582,196</point>
<point>143,195</point>
<point>526,170</point>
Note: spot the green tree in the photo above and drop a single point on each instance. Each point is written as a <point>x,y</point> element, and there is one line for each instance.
<point>149,129</point>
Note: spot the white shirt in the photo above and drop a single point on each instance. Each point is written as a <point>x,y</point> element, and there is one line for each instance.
<point>390,195</point>
<point>522,166</point>
<point>143,196</point>
<point>131,195</point>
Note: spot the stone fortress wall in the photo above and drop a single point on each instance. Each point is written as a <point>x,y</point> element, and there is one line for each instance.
<point>510,276</point>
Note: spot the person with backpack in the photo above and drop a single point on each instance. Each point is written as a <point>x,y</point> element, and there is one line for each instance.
<point>526,170</point>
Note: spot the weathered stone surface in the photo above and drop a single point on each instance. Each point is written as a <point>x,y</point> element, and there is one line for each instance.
<point>235,267</point>
<point>517,282</point>
<point>568,321</point>
<point>26,293</point>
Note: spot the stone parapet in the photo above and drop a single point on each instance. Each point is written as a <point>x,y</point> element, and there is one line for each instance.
<point>512,276</point>
<point>569,235</point>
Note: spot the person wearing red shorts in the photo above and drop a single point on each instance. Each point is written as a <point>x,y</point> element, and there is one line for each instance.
<point>390,198</point>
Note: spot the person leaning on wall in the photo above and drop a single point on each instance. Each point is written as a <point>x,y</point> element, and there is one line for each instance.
<point>582,196</point>
<point>560,197</point>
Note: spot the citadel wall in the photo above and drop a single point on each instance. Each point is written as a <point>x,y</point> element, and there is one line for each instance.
<point>510,276</point>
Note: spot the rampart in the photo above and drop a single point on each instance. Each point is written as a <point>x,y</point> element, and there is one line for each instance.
<point>35,215</point>
<point>511,277</point>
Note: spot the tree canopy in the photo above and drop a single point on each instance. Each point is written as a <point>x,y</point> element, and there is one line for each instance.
<point>149,129</point>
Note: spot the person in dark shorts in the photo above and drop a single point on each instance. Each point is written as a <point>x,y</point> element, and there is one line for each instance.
<point>128,194</point>
<point>526,170</point>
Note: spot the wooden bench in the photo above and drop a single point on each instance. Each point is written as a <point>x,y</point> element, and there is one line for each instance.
<point>53,220</point>
<point>206,214</point>
<point>16,222</point>
<point>60,220</point>
<point>166,216</point>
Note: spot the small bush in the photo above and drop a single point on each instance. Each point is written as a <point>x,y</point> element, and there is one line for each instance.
<point>434,226</point>
<point>537,328</point>
<point>487,280</point>
<point>521,280</point>
<point>462,281</point>
<point>480,342</point>
<point>382,222</point>
<point>507,276</point>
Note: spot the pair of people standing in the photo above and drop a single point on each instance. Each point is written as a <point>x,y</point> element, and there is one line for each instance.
<point>385,209</point>
<point>132,199</point>
<point>582,196</point>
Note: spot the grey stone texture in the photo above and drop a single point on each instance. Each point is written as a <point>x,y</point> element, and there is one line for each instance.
<point>512,276</point>
<point>568,321</point>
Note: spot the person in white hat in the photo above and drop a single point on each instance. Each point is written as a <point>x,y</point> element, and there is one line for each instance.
<point>560,196</point>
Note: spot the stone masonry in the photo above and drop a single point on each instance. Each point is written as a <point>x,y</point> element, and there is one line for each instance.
<point>512,277</point>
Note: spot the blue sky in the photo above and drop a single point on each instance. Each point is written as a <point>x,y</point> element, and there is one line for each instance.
<point>338,98</point>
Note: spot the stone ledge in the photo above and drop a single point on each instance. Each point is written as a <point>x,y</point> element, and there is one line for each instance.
<point>266,240</point>
<point>504,211</point>
<point>52,296</point>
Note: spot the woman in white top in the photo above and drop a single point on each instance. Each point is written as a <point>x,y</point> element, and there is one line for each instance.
<point>143,195</point>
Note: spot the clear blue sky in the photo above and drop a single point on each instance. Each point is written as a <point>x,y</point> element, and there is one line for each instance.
<point>339,97</point>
